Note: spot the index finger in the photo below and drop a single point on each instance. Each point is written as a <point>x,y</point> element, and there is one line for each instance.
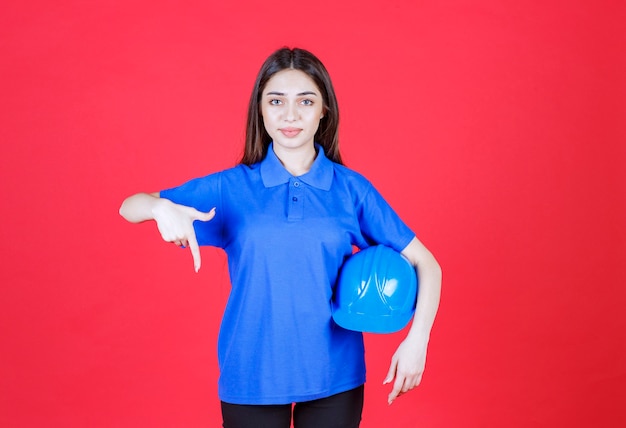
<point>397,389</point>
<point>195,251</point>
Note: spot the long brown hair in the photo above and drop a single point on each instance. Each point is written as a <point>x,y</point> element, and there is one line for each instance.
<point>327,135</point>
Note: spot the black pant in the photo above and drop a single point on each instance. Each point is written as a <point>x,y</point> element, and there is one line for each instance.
<point>337,411</point>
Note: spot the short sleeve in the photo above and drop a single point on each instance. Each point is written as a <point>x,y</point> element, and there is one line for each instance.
<point>203,194</point>
<point>380,224</point>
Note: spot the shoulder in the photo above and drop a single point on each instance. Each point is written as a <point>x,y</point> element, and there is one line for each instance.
<point>241,173</point>
<point>347,177</point>
<point>236,172</point>
<point>212,180</point>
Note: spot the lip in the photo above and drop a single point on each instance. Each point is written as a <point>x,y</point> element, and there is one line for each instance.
<point>290,132</point>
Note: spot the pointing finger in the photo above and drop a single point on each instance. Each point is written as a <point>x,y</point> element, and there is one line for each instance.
<point>195,251</point>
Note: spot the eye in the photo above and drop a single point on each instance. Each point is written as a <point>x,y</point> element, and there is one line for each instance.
<point>307,102</point>
<point>275,102</point>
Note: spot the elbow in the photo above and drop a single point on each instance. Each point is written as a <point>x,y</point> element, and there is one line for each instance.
<point>122,211</point>
<point>431,272</point>
<point>430,264</point>
<point>435,273</point>
<point>128,210</point>
<point>438,272</point>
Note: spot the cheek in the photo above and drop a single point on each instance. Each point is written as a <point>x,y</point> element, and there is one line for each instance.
<point>314,118</point>
<point>269,113</point>
<point>310,114</point>
<point>266,117</point>
<point>270,125</point>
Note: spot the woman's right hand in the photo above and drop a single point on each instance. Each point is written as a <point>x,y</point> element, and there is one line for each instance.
<point>175,223</point>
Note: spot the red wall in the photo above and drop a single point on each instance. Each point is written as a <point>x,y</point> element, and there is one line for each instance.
<point>496,129</point>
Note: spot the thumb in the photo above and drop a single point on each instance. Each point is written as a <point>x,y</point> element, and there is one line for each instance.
<point>392,371</point>
<point>204,216</point>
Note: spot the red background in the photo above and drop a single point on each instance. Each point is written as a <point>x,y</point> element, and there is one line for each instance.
<point>497,129</point>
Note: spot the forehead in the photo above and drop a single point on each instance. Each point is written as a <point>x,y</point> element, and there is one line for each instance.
<point>290,81</point>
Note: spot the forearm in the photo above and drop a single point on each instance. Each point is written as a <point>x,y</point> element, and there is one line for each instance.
<point>428,298</point>
<point>429,274</point>
<point>139,207</point>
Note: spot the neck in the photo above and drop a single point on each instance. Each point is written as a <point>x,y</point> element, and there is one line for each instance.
<point>297,162</point>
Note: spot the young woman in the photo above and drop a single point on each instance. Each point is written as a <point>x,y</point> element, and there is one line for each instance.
<point>287,217</point>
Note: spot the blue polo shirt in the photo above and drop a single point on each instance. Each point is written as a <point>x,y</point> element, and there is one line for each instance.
<point>286,238</point>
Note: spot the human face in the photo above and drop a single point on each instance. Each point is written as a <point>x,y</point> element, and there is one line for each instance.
<point>292,106</point>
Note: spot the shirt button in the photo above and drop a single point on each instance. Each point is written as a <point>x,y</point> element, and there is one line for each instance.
<point>296,184</point>
<point>294,199</point>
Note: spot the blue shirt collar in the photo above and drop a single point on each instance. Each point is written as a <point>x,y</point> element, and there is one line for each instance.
<point>273,173</point>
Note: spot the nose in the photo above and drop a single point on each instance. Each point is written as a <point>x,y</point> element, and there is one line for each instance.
<point>291,112</point>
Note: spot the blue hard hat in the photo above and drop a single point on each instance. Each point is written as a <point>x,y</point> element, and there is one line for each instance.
<point>376,291</point>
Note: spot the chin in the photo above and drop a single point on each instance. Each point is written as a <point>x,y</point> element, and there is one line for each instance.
<point>292,144</point>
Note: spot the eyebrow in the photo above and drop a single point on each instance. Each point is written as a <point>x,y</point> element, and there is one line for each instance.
<point>282,94</point>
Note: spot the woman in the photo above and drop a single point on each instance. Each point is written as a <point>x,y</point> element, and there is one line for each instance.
<point>287,217</point>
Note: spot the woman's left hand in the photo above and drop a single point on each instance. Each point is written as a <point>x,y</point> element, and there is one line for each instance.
<point>407,367</point>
